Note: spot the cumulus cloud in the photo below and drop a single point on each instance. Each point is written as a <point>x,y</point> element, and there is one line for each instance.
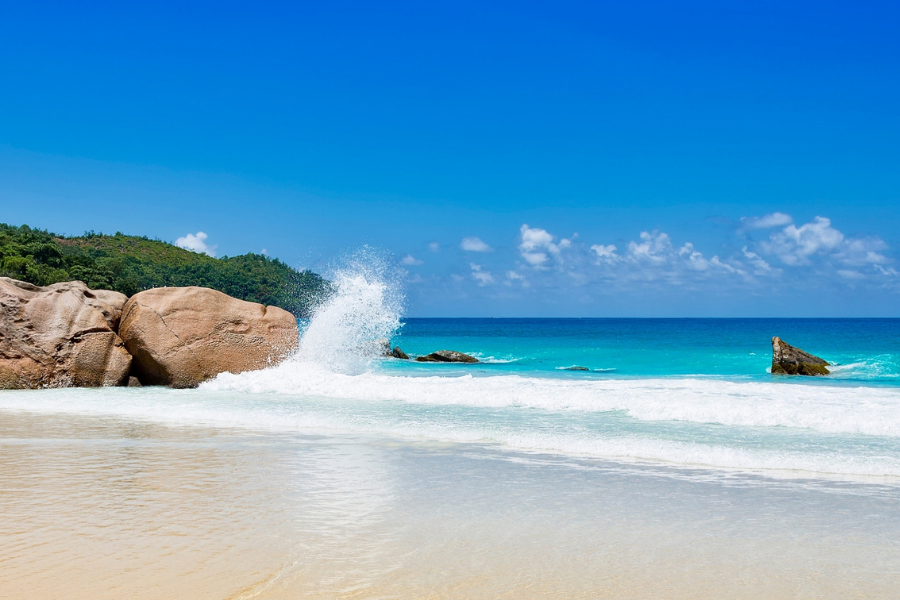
<point>814,254</point>
<point>538,246</point>
<point>434,247</point>
<point>798,246</point>
<point>760,265</point>
<point>474,244</point>
<point>411,260</point>
<point>776,219</point>
<point>695,259</point>
<point>606,254</point>
<point>196,242</point>
<point>654,248</point>
<point>481,276</point>
<point>794,245</point>
<point>860,252</point>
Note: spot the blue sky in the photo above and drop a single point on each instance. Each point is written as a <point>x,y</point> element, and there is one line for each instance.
<point>741,157</point>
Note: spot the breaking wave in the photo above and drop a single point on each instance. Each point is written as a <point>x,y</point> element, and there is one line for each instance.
<point>365,306</point>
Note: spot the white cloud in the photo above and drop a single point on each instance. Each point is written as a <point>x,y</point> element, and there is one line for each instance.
<point>538,245</point>
<point>434,247</point>
<point>655,248</point>
<point>196,242</point>
<point>716,262</point>
<point>757,261</point>
<point>606,253</point>
<point>481,276</point>
<point>860,252</point>
<point>264,252</point>
<point>775,219</point>
<point>512,278</point>
<point>409,259</point>
<point>794,245</point>
<point>474,244</point>
<point>797,246</point>
<point>695,259</point>
<point>818,254</point>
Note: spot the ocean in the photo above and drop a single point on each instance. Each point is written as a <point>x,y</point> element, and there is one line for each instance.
<point>675,466</point>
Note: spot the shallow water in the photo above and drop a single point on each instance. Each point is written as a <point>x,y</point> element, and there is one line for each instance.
<point>678,467</point>
<point>109,507</point>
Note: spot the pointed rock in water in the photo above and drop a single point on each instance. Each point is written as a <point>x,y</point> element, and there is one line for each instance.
<point>576,368</point>
<point>787,360</point>
<point>134,382</point>
<point>447,356</point>
<point>398,353</point>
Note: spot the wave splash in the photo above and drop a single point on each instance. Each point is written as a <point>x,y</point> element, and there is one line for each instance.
<point>365,306</point>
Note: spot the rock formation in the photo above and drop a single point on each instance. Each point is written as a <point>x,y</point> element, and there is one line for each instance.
<point>576,368</point>
<point>447,356</point>
<point>398,353</point>
<point>788,360</point>
<point>60,335</point>
<point>183,336</point>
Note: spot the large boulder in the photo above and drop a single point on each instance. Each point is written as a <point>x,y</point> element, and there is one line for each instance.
<point>788,360</point>
<point>447,356</point>
<point>60,335</point>
<point>183,336</point>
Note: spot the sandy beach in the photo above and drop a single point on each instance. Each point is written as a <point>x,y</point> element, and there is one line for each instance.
<point>105,507</point>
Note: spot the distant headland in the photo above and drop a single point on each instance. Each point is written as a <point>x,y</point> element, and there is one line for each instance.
<point>131,264</point>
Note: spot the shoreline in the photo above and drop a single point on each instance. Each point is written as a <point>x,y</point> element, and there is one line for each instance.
<point>105,506</point>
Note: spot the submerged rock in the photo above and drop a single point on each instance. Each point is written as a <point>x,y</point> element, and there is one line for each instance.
<point>788,360</point>
<point>447,356</point>
<point>398,353</point>
<point>183,336</point>
<point>576,368</point>
<point>60,335</point>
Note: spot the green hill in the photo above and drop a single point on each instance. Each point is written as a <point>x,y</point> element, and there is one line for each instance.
<point>130,264</point>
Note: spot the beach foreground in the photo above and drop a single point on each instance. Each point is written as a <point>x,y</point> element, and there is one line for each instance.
<point>104,506</point>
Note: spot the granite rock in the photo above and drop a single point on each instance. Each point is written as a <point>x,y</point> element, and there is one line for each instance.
<point>60,335</point>
<point>447,356</point>
<point>788,360</point>
<point>183,336</point>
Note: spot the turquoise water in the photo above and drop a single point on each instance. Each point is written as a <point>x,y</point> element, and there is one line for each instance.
<point>864,350</point>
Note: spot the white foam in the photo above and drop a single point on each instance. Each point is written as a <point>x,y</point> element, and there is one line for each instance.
<point>831,409</point>
<point>511,428</point>
<point>364,307</point>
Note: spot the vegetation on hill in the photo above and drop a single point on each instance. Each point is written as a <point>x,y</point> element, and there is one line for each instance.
<point>130,264</point>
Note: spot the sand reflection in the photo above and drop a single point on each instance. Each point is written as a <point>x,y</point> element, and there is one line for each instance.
<point>98,507</point>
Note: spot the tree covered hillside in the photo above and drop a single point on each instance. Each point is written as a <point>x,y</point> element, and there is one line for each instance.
<point>130,264</point>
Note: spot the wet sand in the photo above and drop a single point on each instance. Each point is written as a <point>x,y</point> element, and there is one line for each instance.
<point>101,507</point>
